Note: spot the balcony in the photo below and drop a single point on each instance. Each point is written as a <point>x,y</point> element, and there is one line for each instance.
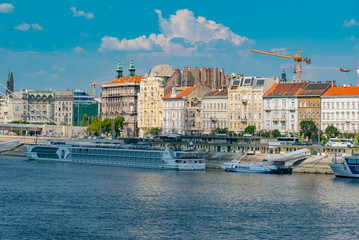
<point>244,120</point>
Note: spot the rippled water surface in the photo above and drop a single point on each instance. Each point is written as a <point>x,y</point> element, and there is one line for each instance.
<point>64,201</point>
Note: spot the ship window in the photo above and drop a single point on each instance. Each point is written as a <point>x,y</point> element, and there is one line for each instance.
<point>352,160</point>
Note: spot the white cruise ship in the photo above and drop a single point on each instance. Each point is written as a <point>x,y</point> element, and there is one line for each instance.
<point>102,153</point>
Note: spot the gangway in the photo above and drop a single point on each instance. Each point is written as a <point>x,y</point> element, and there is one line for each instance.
<point>293,158</point>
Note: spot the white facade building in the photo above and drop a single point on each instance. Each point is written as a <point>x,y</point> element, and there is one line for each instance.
<point>214,110</point>
<point>174,110</point>
<point>340,108</point>
<point>281,107</point>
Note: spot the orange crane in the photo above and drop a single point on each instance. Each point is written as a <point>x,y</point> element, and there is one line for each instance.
<point>298,58</point>
<point>93,85</point>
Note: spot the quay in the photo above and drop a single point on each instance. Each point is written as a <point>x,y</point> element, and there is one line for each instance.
<point>217,150</point>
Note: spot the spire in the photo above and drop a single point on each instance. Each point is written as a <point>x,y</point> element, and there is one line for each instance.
<point>119,70</point>
<point>8,83</point>
<point>131,69</point>
<point>283,77</point>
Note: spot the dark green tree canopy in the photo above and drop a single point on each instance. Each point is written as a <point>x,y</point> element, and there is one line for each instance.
<point>331,131</point>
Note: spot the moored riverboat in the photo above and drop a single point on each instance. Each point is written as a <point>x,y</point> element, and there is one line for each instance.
<point>346,167</point>
<point>113,154</point>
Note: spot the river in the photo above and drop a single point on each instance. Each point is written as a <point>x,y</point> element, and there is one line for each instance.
<point>41,200</point>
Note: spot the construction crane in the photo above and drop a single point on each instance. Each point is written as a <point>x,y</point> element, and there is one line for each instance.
<point>351,70</point>
<point>288,66</point>
<point>93,85</point>
<point>298,58</point>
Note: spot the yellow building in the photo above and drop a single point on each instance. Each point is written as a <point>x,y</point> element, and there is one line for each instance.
<point>309,102</point>
<point>150,103</point>
<point>245,101</point>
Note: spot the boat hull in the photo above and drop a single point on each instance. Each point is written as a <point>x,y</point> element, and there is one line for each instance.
<point>342,170</point>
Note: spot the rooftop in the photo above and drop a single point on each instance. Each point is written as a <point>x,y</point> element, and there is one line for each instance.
<point>126,80</point>
<point>218,92</point>
<point>342,91</point>
<point>180,92</point>
<point>314,89</point>
<point>285,89</point>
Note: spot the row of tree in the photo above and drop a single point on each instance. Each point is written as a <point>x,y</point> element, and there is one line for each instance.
<point>308,130</point>
<point>105,126</point>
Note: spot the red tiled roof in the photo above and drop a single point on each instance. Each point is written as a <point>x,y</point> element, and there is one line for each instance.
<point>185,91</point>
<point>285,89</point>
<point>217,92</point>
<point>127,80</point>
<point>342,91</point>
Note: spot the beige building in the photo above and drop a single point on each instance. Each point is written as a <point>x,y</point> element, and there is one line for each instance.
<point>245,101</point>
<point>214,110</point>
<point>63,107</point>
<point>14,107</point>
<point>193,110</point>
<point>119,98</point>
<point>150,102</point>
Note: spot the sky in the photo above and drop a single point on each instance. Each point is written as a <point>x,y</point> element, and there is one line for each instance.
<point>60,45</point>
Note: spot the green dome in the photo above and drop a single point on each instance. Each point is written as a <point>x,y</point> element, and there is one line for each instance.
<point>234,75</point>
<point>132,66</point>
<point>119,66</point>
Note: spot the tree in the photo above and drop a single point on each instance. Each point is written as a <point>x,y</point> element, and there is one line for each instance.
<point>302,138</point>
<point>155,131</point>
<point>119,122</point>
<point>222,130</point>
<point>94,127</point>
<point>85,120</point>
<point>231,134</point>
<point>324,139</point>
<point>309,129</point>
<point>250,129</point>
<point>106,125</point>
<point>331,131</point>
<point>356,143</point>
<point>63,123</point>
<point>276,133</point>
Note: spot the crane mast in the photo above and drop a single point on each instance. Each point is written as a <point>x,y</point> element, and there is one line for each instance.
<point>93,85</point>
<point>298,58</point>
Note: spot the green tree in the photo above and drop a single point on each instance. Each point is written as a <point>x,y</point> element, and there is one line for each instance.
<point>63,123</point>
<point>302,138</point>
<point>222,130</point>
<point>231,133</point>
<point>331,131</point>
<point>356,143</point>
<point>106,125</point>
<point>94,127</point>
<point>155,131</point>
<point>276,133</point>
<point>324,139</point>
<point>119,122</point>
<point>309,129</point>
<point>85,120</point>
<point>250,129</point>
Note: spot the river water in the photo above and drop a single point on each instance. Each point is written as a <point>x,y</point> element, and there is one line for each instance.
<point>41,200</point>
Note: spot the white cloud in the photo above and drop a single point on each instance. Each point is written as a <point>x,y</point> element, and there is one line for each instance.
<point>26,26</point>
<point>88,15</point>
<point>350,23</point>
<point>58,68</point>
<point>36,26</point>
<point>84,34</point>
<point>181,35</point>
<point>23,27</point>
<point>6,8</point>
<point>79,49</point>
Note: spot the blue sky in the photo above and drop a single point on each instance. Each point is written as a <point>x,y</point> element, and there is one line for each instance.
<point>63,45</point>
